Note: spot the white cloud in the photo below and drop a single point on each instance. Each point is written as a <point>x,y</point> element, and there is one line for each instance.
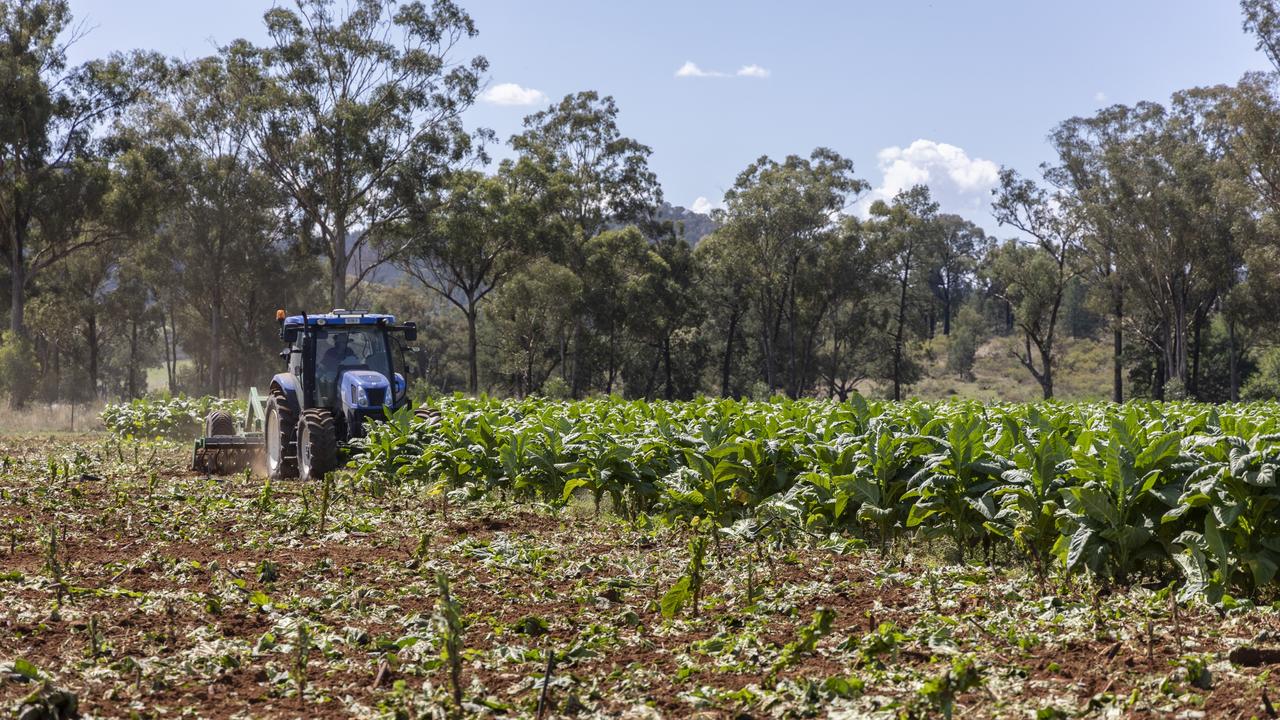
<point>691,69</point>
<point>1100,96</point>
<point>704,206</point>
<point>948,170</point>
<point>512,94</point>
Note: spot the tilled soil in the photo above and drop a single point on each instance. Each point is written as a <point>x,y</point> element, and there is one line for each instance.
<point>150,591</point>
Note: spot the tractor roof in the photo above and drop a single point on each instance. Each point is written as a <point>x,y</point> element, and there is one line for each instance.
<point>340,317</point>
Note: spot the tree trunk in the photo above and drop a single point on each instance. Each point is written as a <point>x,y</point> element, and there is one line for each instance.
<point>611,375</point>
<point>91,339</point>
<point>727,368</point>
<point>172,350</point>
<point>946,310</point>
<point>793,383</point>
<point>133,358</point>
<point>1193,381</point>
<point>1161,368</point>
<point>473,367</point>
<point>1233,361</point>
<point>899,331</point>
<point>338,272</point>
<point>17,282</point>
<point>215,352</point>
<point>666,361</point>
<point>1117,344</point>
<point>1178,361</point>
<point>1046,380</point>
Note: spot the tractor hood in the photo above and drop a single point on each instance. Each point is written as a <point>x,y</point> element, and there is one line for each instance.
<point>364,389</point>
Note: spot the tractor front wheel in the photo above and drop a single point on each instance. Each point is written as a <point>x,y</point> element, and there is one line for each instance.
<point>317,444</point>
<point>281,438</point>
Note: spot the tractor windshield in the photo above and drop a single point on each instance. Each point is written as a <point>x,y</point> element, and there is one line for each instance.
<point>348,348</point>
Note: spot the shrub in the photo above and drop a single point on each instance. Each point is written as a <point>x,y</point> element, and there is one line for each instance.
<point>964,342</point>
<point>18,368</point>
<point>1264,383</point>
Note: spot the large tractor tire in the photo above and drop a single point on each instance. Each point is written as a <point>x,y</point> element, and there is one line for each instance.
<point>317,444</point>
<point>281,437</point>
<point>219,422</point>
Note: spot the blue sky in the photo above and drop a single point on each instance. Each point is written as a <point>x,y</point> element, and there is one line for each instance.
<point>942,92</point>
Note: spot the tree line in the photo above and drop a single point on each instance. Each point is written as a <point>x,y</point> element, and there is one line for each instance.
<point>154,213</point>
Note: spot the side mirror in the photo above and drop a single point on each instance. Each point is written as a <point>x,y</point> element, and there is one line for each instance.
<point>289,335</point>
<point>411,331</point>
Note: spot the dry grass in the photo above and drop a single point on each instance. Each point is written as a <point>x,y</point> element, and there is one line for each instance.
<point>1082,373</point>
<point>55,418</point>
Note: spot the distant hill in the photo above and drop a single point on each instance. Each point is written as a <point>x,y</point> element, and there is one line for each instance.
<point>696,225</point>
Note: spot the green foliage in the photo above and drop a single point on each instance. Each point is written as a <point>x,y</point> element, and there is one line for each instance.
<point>1113,492</point>
<point>19,368</point>
<point>1265,383</point>
<point>966,334</point>
<point>175,418</point>
<point>449,619</point>
<point>808,637</point>
<point>938,695</point>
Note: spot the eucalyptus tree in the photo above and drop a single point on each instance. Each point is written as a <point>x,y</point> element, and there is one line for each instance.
<point>1083,176</point>
<point>600,177</point>
<point>594,178</point>
<point>54,173</point>
<point>464,241</point>
<point>1181,254</point>
<point>1227,207</point>
<point>905,232</point>
<point>726,291</point>
<point>955,257</point>
<point>783,218</point>
<point>222,217</point>
<point>1032,276</point>
<point>347,97</point>
<point>851,337</point>
<point>669,351</point>
<point>529,322</point>
<point>1262,19</point>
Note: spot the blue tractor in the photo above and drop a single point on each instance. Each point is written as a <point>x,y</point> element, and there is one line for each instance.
<point>344,368</point>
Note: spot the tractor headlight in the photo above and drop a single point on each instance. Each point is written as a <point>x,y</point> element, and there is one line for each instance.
<point>359,396</point>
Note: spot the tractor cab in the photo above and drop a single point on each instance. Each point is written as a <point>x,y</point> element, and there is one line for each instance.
<point>344,368</point>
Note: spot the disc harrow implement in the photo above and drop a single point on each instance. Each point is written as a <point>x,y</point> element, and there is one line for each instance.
<point>223,450</point>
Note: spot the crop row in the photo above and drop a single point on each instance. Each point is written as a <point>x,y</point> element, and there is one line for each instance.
<point>178,418</point>
<point>1124,493</point>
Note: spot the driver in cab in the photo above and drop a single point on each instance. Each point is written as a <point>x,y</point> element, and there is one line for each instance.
<point>338,355</point>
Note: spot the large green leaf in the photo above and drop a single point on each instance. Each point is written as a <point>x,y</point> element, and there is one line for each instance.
<point>1263,566</point>
<point>1097,505</point>
<point>1159,450</point>
<point>1194,570</point>
<point>676,597</point>
<point>1214,541</point>
<point>1079,546</point>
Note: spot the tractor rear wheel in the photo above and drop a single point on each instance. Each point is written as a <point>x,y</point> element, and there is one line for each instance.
<point>219,422</point>
<point>318,444</point>
<point>281,437</point>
